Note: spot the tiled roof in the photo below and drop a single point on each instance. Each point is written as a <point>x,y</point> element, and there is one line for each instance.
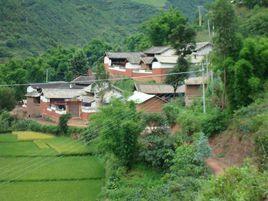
<point>132,57</point>
<point>158,88</point>
<point>139,97</point>
<point>157,50</point>
<point>147,60</point>
<point>62,93</point>
<point>196,80</point>
<point>201,45</point>
<point>167,59</point>
<point>33,94</point>
<point>84,80</point>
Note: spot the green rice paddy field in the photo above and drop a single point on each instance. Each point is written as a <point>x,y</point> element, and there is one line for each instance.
<point>36,167</point>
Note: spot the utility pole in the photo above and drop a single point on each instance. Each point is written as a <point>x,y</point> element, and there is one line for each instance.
<point>203,86</point>
<point>209,31</point>
<point>46,75</point>
<point>200,15</point>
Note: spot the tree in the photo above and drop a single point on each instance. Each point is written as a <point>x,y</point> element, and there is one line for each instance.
<point>226,41</point>
<point>118,126</point>
<point>175,78</point>
<point>160,28</point>
<point>95,51</point>
<point>203,148</point>
<point>7,98</point>
<point>79,63</point>
<point>138,42</point>
<point>63,124</point>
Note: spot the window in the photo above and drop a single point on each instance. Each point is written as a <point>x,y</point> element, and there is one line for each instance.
<point>86,104</point>
<point>61,107</point>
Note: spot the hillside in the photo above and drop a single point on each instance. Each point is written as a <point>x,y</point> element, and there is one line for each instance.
<point>29,27</point>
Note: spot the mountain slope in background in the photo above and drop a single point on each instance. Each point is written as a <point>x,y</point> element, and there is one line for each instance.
<point>28,27</point>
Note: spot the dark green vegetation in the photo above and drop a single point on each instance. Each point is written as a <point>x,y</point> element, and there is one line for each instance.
<point>51,174</point>
<point>30,27</point>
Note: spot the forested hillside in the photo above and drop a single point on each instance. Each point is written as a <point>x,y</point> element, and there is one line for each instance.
<point>29,27</point>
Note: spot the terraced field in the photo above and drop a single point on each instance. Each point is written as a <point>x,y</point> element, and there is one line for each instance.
<point>39,167</point>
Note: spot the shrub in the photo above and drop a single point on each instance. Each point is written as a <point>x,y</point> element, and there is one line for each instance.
<point>236,184</point>
<point>63,124</point>
<point>261,145</point>
<point>186,174</point>
<point>193,120</point>
<point>157,149</point>
<point>5,122</point>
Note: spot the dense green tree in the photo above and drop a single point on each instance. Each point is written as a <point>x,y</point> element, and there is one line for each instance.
<point>137,42</point>
<point>226,41</point>
<point>7,98</point>
<point>79,63</point>
<point>175,78</point>
<point>164,28</point>
<point>256,23</point>
<point>118,126</point>
<point>95,51</point>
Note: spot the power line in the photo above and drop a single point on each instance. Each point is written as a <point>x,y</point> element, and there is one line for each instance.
<point>100,80</point>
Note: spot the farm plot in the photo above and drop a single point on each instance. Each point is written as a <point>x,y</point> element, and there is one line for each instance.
<point>39,167</point>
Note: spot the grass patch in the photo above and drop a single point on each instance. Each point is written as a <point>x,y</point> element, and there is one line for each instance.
<point>41,144</point>
<point>52,168</point>
<point>7,138</point>
<point>56,191</point>
<point>23,149</point>
<point>66,145</point>
<point>29,135</point>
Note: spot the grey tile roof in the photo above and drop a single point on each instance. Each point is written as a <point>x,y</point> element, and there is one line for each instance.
<point>132,57</point>
<point>201,45</point>
<point>62,93</point>
<point>158,88</point>
<point>33,94</point>
<point>157,50</point>
<point>147,60</point>
<point>84,80</point>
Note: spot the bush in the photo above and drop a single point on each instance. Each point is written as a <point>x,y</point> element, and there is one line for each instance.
<point>63,124</point>
<point>157,149</point>
<point>236,184</point>
<point>261,146</point>
<point>5,122</point>
<point>193,120</point>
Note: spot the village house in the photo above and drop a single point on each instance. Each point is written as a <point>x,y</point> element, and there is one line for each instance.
<point>202,50</point>
<point>147,103</point>
<point>151,65</point>
<point>51,100</point>
<point>163,91</point>
<point>81,98</point>
<point>193,88</point>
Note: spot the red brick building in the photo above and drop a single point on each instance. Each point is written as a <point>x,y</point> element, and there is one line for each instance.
<point>150,65</point>
<point>147,103</point>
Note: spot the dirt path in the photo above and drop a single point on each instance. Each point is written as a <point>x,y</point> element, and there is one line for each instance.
<point>215,165</point>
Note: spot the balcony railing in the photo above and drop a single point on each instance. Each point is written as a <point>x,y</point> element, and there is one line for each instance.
<point>143,71</point>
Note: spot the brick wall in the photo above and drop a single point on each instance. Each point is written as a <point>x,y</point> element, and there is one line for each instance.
<point>33,108</point>
<point>154,105</point>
